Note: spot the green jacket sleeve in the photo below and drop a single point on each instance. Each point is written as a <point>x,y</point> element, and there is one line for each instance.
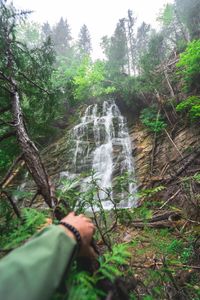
<point>34,271</point>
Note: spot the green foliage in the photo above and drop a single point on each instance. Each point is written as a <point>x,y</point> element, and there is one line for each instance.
<point>192,106</point>
<point>151,118</point>
<point>151,192</point>
<point>32,80</point>
<point>166,16</point>
<point>89,80</point>
<point>174,246</point>
<point>84,42</point>
<point>189,66</point>
<point>20,232</point>
<point>110,266</point>
<point>196,177</point>
<point>29,33</point>
<point>81,283</point>
<point>189,13</point>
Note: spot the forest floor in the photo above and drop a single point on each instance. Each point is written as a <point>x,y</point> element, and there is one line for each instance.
<point>164,261</point>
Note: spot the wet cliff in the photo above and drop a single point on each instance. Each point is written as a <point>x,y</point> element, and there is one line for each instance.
<point>170,159</point>
<point>164,159</point>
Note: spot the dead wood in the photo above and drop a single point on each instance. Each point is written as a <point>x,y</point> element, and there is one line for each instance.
<point>12,203</point>
<point>164,220</point>
<point>170,199</point>
<point>33,199</point>
<point>12,172</point>
<point>162,216</point>
<point>31,155</point>
<point>169,137</point>
<point>158,225</point>
<point>184,166</point>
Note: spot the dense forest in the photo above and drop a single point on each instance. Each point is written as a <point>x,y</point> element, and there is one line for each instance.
<point>47,78</point>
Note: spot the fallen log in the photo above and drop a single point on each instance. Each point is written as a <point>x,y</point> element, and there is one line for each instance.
<point>172,215</point>
<point>159,224</point>
<point>164,220</point>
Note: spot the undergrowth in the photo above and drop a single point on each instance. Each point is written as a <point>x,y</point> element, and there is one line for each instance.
<point>19,231</point>
<point>146,263</point>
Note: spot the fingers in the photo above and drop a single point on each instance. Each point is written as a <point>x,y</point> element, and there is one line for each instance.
<point>85,227</point>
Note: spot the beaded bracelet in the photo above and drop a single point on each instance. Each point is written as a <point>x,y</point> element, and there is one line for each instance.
<point>74,231</point>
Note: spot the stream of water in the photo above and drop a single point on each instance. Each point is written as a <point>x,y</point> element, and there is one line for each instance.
<point>102,144</point>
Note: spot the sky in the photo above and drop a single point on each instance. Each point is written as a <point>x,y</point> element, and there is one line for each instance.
<point>100,16</point>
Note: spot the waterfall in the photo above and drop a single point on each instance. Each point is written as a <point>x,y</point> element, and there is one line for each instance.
<point>102,144</point>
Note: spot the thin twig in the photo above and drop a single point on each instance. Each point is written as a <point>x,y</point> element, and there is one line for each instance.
<point>33,199</point>
<point>173,143</point>
<point>34,83</point>
<point>10,171</point>
<point>14,206</point>
<point>168,200</point>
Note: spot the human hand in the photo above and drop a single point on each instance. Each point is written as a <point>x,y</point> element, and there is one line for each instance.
<point>86,229</point>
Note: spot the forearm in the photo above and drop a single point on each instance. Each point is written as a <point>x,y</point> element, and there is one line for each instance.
<point>35,270</point>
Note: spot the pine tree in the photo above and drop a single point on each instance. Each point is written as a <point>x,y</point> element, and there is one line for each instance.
<point>84,42</point>
<point>131,41</point>
<point>62,37</point>
<point>142,41</point>
<point>174,31</point>
<point>189,12</point>
<point>118,49</point>
<point>46,30</point>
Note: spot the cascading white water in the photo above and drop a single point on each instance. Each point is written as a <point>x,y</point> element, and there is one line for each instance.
<point>102,144</point>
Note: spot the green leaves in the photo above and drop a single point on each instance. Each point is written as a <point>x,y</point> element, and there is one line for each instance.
<point>90,80</point>
<point>32,219</point>
<point>81,283</point>
<point>151,118</point>
<point>191,105</point>
<point>189,65</point>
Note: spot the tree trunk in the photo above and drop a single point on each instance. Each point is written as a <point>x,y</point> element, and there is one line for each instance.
<point>30,152</point>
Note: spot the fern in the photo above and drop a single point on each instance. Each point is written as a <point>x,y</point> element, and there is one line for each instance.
<point>111,261</point>
<point>150,192</point>
<point>32,219</point>
<point>81,283</point>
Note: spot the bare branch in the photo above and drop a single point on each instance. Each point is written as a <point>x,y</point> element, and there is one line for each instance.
<point>3,76</point>
<point>5,88</point>
<point>14,206</point>
<point>11,170</point>
<point>33,199</point>
<point>34,83</point>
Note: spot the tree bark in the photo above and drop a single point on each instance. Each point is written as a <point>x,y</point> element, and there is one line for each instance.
<point>30,152</point>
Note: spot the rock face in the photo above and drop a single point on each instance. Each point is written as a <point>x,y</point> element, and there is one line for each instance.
<point>170,161</point>
<point>142,145</point>
<point>161,161</point>
<point>158,160</point>
<point>100,142</point>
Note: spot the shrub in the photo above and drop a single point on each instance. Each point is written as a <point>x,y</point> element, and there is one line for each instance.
<point>189,66</point>
<point>152,119</point>
<point>190,105</point>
